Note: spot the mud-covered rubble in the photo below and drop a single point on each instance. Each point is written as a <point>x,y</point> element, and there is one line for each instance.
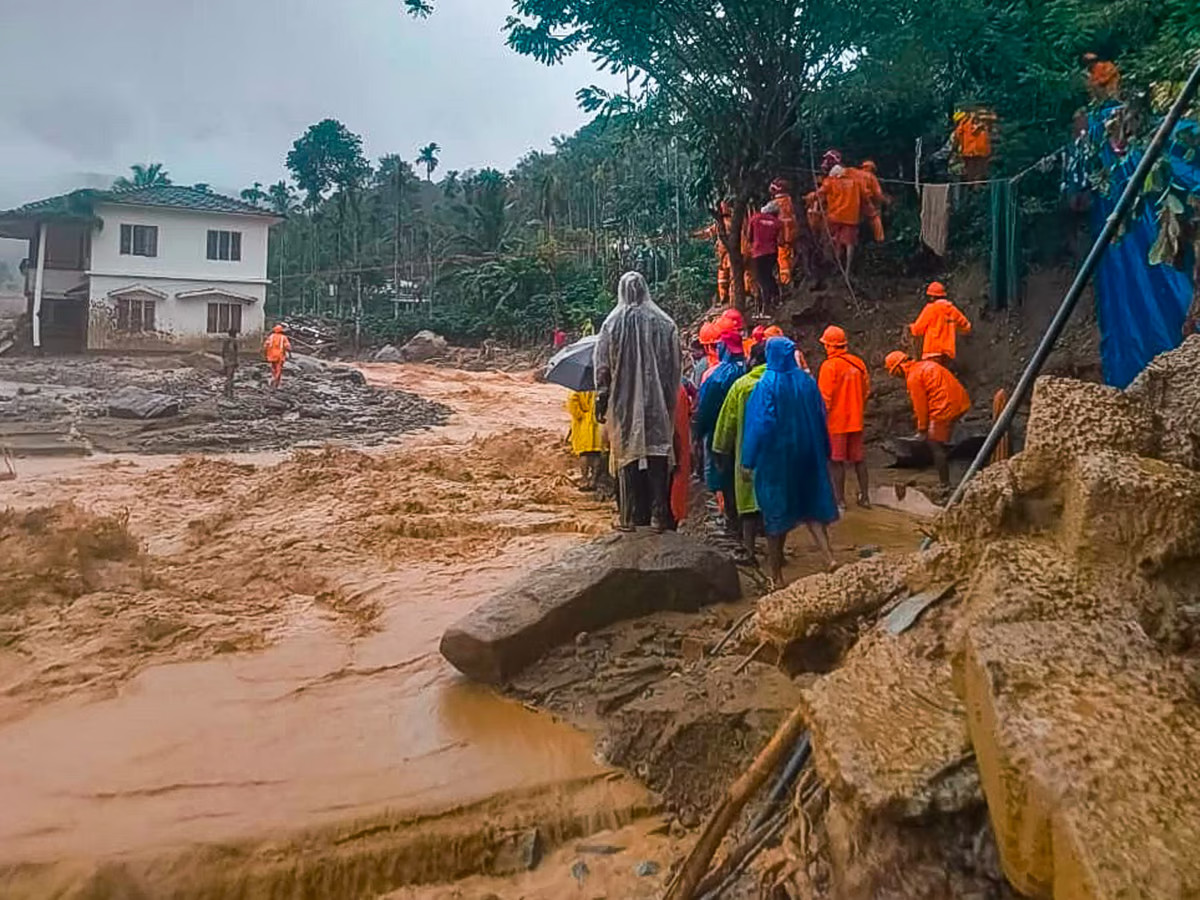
<point>317,401</point>
<point>1058,682</point>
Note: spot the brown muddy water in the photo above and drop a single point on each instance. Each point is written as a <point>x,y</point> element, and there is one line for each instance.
<point>220,677</point>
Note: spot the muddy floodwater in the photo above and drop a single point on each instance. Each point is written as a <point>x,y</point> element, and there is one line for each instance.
<point>219,675</point>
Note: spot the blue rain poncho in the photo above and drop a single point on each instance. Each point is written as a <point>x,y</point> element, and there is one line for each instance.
<point>786,444</point>
<point>638,364</point>
<point>708,409</point>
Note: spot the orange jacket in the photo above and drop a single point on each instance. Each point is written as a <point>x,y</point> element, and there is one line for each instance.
<point>843,197</point>
<point>872,190</point>
<point>844,384</point>
<point>973,137</point>
<point>277,347</point>
<point>939,323</point>
<point>787,217</point>
<point>935,393</point>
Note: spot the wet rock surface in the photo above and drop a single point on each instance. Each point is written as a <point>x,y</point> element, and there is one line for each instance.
<point>616,577</point>
<point>110,402</point>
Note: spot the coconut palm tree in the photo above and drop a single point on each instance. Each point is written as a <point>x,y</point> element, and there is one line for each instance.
<point>254,195</point>
<point>427,157</point>
<point>282,197</point>
<point>149,175</point>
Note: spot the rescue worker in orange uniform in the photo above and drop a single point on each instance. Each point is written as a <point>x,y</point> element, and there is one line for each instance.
<point>873,198</point>
<point>841,199</point>
<point>971,141</point>
<point>939,400</point>
<point>277,348</point>
<point>1103,78</point>
<point>938,325</point>
<point>712,233</point>
<point>844,383</point>
<point>781,196</point>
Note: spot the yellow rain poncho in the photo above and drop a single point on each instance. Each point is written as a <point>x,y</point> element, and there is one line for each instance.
<point>587,435</point>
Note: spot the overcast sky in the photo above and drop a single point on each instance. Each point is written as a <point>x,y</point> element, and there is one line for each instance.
<point>218,90</point>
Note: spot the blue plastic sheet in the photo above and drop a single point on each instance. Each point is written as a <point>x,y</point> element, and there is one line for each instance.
<point>1140,307</point>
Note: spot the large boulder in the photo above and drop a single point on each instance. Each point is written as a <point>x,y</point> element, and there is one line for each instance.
<point>138,403</point>
<point>305,365</point>
<point>425,345</point>
<point>621,576</point>
<point>388,353</point>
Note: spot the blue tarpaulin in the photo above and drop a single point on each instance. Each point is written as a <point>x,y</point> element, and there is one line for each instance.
<point>1140,307</point>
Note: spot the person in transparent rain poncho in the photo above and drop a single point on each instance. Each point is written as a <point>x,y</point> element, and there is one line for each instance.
<point>638,369</point>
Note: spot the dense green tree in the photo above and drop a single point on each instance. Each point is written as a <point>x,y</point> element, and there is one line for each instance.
<point>254,194</point>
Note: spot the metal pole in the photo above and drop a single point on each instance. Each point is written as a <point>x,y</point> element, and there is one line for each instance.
<point>1059,322</point>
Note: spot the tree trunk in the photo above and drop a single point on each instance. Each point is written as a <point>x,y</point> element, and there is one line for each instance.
<point>732,238</point>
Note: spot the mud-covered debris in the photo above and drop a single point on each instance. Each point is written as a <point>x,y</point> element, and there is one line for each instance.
<point>424,346</point>
<point>136,403</point>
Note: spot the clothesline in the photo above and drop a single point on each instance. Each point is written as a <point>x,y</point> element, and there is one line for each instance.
<point>1010,179</point>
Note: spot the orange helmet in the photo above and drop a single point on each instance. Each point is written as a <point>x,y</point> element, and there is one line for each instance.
<point>278,329</point>
<point>773,331</point>
<point>833,337</point>
<point>937,289</point>
<point>709,333</point>
<point>894,361</point>
<point>868,165</point>
<point>735,318</point>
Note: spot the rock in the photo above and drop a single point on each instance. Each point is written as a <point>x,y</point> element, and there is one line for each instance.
<point>347,373</point>
<point>137,403</point>
<point>646,869</point>
<point>580,871</point>
<point>868,550</point>
<point>689,818</point>
<point>388,353</point>
<point>595,585</point>
<point>305,365</point>
<point>425,345</point>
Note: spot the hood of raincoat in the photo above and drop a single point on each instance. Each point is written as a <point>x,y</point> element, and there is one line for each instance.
<point>638,363</point>
<point>781,355</point>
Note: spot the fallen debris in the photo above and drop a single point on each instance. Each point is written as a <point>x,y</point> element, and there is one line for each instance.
<point>137,403</point>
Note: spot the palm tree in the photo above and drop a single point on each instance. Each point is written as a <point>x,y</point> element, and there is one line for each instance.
<point>451,185</point>
<point>427,157</point>
<point>254,194</point>
<point>282,197</point>
<point>149,175</point>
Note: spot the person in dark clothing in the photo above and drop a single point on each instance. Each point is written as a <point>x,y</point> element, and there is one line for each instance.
<point>229,360</point>
<point>765,227</point>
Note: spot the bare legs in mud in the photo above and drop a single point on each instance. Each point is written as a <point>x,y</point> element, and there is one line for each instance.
<point>775,548</point>
<point>837,473</point>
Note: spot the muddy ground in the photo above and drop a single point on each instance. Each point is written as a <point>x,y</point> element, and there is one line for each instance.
<point>57,405</point>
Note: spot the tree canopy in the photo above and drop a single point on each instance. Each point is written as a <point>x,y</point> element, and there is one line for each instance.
<point>148,175</point>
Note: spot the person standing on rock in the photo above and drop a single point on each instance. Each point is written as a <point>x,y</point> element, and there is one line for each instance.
<point>939,400</point>
<point>229,360</point>
<point>277,348</point>
<point>638,367</point>
<point>786,446</point>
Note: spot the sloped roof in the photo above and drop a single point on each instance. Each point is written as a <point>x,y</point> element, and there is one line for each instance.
<point>80,205</point>
<point>177,196</point>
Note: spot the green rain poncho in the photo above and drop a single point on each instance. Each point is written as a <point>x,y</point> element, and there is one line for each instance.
<point>727,437</point>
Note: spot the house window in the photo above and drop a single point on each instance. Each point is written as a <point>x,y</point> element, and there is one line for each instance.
<point>223,316</point>
<point>139,240</point>
<point>225,245</point>
<point>135,315</point>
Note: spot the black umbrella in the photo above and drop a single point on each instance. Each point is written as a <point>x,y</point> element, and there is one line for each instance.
<point>571,366</point>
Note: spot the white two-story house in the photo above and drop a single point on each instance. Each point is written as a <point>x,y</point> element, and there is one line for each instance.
<point>145,268</point>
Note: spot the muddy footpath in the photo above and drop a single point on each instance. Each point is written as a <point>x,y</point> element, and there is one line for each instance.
<point>219,674</point>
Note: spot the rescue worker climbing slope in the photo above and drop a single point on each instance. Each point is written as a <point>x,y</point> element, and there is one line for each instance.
<point>789,230</point>
<point>938,325</point>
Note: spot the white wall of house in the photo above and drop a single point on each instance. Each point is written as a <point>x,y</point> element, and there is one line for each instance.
<point>181,266</point>
<point>182,245</point>
<point>177,322</point>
